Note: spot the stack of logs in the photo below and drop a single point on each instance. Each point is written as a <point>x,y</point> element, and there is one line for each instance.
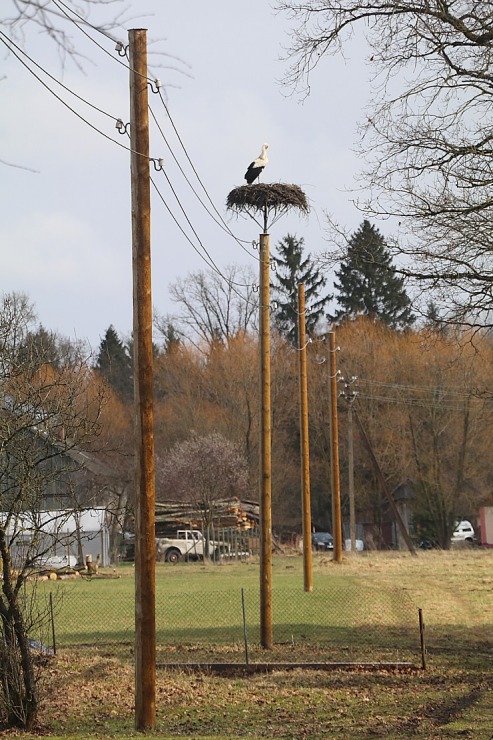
<point>62,574</point>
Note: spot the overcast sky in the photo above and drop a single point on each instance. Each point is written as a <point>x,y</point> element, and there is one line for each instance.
<point>65,230</point>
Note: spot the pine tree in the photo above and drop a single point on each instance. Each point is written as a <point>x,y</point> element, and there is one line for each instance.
<point>292,269</point>
<point>367,281</point>
<point>41,345</point>
<point>115,364</point>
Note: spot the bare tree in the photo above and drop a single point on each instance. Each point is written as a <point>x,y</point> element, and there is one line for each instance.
<point>203,470</point>
<point>56,20</point>
<point>216,307</point>
<point>428,140</point>
<point>45,414</point>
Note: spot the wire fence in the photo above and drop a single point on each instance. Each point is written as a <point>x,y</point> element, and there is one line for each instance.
<point>352,623</point>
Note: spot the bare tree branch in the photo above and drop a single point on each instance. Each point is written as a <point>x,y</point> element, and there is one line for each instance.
<point>427,141</point>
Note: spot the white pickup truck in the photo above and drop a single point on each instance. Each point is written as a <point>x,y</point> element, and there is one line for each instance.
<point>188,544</point>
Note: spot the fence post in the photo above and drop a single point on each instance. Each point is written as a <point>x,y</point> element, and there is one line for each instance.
<point>244,626</point>
<point>422,639</point>
<point>52,616</point>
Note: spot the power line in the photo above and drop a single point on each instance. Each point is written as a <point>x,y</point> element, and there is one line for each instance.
<point>120,46</point>
<point>16,51</point>
<point>215,267</point>
<point>81,18</point>
<point>209,262</point>
<point>449,391</point>
<point>220,222</point>
<point>11,47</point>
<point>48,74</point>
<point>226,227</point>
<point>421,403</point>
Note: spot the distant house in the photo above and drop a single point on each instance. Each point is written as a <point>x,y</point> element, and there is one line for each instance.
<point>59,538</point>
<point>386,534</point>
<point>77,504</point>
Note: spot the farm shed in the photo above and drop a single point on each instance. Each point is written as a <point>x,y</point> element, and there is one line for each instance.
<point>60,537</point>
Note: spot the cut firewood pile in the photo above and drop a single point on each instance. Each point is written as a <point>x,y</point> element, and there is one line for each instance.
<point>228,513</point>
<point>89,570</point>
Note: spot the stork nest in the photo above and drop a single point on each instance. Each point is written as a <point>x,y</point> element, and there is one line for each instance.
<point>274,197</point>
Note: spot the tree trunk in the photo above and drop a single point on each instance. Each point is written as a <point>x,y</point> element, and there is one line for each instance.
<point>18,680</point>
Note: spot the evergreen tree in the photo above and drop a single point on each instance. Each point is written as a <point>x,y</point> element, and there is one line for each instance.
<point>172,339</point>
<point>292,269</point>
<point>115,364</point>
<point>42,346</point>
<point>367,281</point>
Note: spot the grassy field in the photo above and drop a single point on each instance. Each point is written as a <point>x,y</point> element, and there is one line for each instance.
<point>199,613</point>
<point>89,692</point>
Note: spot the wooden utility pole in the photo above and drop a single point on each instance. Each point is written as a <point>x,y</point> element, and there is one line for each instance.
<point>336,484</point>
<point>350,396</point>
<point>145,586</point>
<point>305,445</point>
<point>352,513</point>
<point>265,450</point>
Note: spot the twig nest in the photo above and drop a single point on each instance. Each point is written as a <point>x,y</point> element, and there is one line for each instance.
<point>274,197</point>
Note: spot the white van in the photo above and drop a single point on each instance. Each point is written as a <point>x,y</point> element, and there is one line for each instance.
<point>463,532</point>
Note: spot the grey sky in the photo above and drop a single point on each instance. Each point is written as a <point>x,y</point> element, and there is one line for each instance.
<point>65,232</point>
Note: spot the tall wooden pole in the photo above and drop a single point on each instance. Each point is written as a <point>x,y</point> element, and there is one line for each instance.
<point>350,396</point>
<point>350,447</point>
<point>305,445</point>
<point>145,587</point>
<point>336,485</point>
<point>265,450</point>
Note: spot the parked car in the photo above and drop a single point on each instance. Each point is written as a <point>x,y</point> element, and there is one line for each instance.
<point>322,541</point>
<point>463,532</point>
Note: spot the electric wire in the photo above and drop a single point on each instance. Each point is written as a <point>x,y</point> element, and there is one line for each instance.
<point>182,208</point>
<point>223,225</point>
<point>11,46</point>
<point>420,403</point>
<point>211,260</point>
<point>68,10</point>
<point>194,247</point>
<point>450,390</point>
<point>194,170</point>
<point>60,99</point>
<point>208,260</point>
<point>220,222</point>
<point>126,65</point>
<point>211,264</point>
<point>65,87</point>
<point>448,400</point>
<point>85,22</point>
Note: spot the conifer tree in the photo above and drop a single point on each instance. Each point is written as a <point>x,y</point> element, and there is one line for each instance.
<point>367,282</point>
<point>115,364</point>
<point>293,269</point>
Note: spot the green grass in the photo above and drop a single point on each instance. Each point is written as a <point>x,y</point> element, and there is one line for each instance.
<point>89,693</point>
<point>197,601</point>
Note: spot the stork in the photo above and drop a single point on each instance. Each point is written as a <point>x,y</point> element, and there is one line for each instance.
<point>256,167</point>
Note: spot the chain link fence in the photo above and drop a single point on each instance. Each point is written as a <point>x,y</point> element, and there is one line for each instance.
<point>333,623</point>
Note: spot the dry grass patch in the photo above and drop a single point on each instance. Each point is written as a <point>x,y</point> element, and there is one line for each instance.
<point>89,692</point>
